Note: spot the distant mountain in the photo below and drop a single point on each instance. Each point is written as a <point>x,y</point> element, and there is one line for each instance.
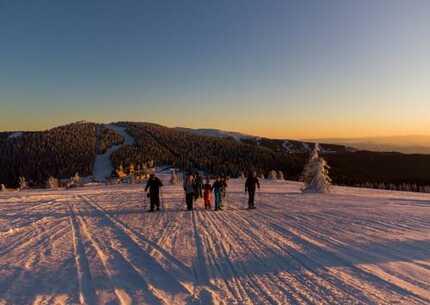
<point>210,132</point>
<point>413,144</point>
<point>288,146</point>
<point>65,150</point>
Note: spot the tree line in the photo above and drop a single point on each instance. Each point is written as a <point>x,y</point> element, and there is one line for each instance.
<point>188,151</point>
<point>59,152</point>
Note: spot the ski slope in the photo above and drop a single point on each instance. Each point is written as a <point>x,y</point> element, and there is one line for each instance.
<point>96,245</point>
<point>103,167</point>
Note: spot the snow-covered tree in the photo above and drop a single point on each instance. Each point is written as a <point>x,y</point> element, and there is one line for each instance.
<point>76,179</point>
<point>52,183</point>
<point>280,175</point>
<point>22,183</point>
<point>315,174</point>
<point>405,187</point>
<point>131,169</point>
<point>272,175</point>
<point>173,177</point>
<point>120,172</point>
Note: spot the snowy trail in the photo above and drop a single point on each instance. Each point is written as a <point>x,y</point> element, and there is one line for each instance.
<point>96,245</point>
<point>103,165</point>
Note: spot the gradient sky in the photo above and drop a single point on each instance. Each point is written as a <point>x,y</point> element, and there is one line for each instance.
<point>285,69</point>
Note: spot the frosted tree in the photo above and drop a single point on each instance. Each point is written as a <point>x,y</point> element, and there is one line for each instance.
<point>173,177</point>
<point>22,183</point>
<point>76,179</point>
<point>272,175</point>
<point>316,174</point>
<point>151,166</point>
<point>2,188</point>
<point>131,169</point>
<point>52,183</point>
<point>280,175</point>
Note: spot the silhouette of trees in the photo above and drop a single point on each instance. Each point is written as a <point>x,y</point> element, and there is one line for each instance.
<point>190,151</point>
<point>59,152</point>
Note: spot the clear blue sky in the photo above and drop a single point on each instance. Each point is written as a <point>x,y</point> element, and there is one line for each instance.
<point>276,68</point>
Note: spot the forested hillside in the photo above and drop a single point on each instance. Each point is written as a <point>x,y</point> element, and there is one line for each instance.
<point>190,151</point>
<point>63,151</point>
<point>58,152</point>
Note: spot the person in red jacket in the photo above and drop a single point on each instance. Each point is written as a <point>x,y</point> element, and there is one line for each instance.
<point>207,192</point>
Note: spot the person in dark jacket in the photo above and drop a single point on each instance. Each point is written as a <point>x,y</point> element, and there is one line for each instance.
<point>251,185</point>
<point>153,185</point>
<point>217,188</point>
<point>189,192</point>
<point>198,186</point>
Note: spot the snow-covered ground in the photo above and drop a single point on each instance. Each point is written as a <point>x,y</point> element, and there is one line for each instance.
<point>96,245</point>
<point>103,165</point>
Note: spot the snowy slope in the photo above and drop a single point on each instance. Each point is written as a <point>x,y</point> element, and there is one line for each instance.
<point>217,133</point>
<point>96,245</point>
<point>103,165</point>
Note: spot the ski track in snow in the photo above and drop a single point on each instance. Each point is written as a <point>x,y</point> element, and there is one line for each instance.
<point>103,165</point>
<point>96,245</point>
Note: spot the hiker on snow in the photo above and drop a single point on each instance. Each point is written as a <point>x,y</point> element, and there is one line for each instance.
<point>217,188</point>
<point>189,191</point>
<point>251,185</point>
<point>207,192</point>
<point>198,186</point>
<point>153,185</point>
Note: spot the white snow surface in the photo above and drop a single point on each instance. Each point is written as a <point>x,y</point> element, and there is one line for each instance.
<point>97,245</point>
<point>15,135</point>
<point>103,165</point>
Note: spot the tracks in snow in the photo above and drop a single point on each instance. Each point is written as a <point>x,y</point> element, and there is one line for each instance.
<point>136,276</point>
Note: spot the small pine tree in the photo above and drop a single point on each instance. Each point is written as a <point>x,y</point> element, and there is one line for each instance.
<point>22,183</point>
<point>76,179</point>
<point>151,166</point>
<point>272,175</point>
<point>52,183</point>
<point>131,169</point>
<point>316,174</point>
<point>120,172</point>
<point>173,177</point>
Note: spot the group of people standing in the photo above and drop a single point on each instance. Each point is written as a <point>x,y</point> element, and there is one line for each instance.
<point>195,188</point>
